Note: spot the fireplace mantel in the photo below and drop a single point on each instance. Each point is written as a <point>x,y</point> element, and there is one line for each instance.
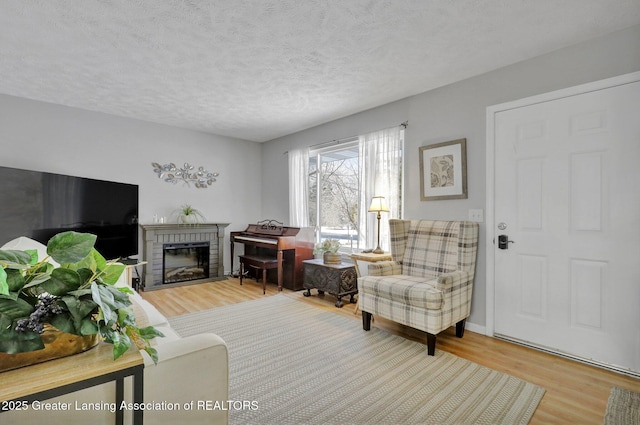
<point>155,236</point>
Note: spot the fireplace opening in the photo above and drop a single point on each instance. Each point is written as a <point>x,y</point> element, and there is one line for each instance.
<point>182,262</point>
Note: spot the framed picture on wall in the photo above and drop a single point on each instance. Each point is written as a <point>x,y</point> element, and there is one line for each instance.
<point>443,171</point>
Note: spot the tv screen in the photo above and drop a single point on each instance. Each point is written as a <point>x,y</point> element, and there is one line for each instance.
<point>39,205</point>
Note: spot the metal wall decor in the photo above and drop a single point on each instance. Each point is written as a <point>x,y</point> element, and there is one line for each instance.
<point>201,178</point>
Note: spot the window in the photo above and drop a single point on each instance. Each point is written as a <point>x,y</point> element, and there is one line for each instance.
<point>334,192</point>
<point>340,188</point>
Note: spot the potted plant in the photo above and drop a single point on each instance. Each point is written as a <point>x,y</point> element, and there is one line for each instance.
<point>186,214</point>
<point>329,251</point>
<point>77,296</point>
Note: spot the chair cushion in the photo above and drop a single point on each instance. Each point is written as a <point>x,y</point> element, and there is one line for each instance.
<point>432,248</point>
<point>409,290</point>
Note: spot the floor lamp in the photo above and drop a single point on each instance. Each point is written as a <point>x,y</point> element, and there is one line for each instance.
<point>378,204</point>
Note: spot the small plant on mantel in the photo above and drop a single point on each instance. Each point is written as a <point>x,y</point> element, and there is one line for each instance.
<point>77,297</point>
<point>186,214</point>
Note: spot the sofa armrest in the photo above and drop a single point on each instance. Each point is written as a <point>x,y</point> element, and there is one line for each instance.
<point>192,369</point>
<point>384,268</point>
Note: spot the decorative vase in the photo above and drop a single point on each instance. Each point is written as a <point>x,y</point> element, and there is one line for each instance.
<point>56,344</point>
<point>331,258</point>
<point>188,219</point>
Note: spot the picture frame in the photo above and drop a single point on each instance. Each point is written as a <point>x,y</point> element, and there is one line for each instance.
<point>443,171</point>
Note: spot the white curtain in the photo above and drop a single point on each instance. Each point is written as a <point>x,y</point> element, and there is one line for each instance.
<point>299,187</point>
<point>380,172</point>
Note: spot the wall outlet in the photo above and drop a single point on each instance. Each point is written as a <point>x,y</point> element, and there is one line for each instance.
<point>476,215</point>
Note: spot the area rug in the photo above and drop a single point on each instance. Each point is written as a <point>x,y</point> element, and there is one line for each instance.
<point>623,407</point>
<point>302,364</point>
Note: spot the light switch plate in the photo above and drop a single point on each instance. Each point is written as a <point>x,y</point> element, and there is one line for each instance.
<point>476,215</point>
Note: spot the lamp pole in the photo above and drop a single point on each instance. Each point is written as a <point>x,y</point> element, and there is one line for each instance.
<point>378,250</point>
<point>378,205</point>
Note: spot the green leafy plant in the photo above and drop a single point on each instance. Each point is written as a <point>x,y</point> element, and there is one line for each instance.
<point>328,245</point>
<point>188,215</point>
<point>77,297</point>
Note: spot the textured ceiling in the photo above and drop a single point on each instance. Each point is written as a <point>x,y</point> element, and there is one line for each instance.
<point>260,69</point>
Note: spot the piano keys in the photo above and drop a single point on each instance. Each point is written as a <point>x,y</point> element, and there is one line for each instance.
<point>289,245</point>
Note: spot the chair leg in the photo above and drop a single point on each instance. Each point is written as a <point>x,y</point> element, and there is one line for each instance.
<point>366,320</point>
<point>431,344</point>
<point>241,272</point>
<point>460,328</point>
<point>264,281</point>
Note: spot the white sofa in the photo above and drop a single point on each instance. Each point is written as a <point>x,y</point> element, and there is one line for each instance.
<point>189,369</point>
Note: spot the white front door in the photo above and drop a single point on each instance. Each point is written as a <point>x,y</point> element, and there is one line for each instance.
<point>567,199</point>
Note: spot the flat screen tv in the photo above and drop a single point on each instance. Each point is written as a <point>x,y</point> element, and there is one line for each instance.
<point>40,205</point>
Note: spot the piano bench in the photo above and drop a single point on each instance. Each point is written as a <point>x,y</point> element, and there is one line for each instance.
<point>262,263</point>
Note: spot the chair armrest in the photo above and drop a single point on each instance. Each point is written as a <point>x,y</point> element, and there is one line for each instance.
<point>448,281</point>
<point>385,268</point>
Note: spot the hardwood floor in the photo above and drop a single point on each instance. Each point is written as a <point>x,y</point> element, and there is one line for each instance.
<point>576,393</point>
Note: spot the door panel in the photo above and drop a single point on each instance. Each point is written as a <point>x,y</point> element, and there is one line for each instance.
<point>567,176</point>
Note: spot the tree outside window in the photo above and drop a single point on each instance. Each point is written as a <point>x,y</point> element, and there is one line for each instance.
<point>333,195</point>
<point>342,180</point>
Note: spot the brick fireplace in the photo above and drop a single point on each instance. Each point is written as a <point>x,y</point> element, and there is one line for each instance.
<point>179,254</point>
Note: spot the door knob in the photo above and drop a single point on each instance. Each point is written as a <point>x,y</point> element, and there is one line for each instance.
<point>503,242</point>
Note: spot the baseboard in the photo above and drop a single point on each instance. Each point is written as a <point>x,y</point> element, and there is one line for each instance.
<point>479,329</point>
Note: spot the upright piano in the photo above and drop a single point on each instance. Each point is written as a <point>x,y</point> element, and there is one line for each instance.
<point>289,245</point>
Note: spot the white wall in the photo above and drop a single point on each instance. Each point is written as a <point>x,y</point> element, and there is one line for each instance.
<point>46,137</point>
<point>453,112</point>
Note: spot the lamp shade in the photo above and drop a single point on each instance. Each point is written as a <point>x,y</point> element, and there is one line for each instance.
<point>378,204</point>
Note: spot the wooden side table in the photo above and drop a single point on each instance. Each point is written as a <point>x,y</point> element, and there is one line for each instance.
<point>337,279</point>
<point>368,257</point>
<point>68,374</point>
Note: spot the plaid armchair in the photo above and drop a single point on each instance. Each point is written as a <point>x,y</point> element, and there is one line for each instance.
<point>428,284</point>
